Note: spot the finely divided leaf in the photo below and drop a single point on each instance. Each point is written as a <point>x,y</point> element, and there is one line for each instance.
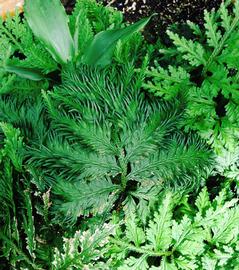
<point>191,51</point>
<point>84,248</point>
<point>159,232</point>
<point>226,229</point>
<point>13,145</point>
<point>134,232</point>
<point>184,263</point>
<point>203,201</point>
<point>188,240</point>
<point>82,198</point>
<point>209,263</point>
<point>212,32</point>
<point>165,265</point>
<point>133,263</point>
<point>167,83</point>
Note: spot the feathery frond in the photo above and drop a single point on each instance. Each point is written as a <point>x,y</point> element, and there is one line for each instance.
<point>109,130</point>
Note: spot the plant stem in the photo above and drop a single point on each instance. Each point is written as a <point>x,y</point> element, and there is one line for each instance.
<point>140,250</point>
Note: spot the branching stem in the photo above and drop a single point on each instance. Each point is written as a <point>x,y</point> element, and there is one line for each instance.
<point>140,250</point>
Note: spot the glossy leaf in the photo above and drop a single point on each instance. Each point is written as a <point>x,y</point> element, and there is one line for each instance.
<point>100,50</point>
<point>26,73</point>
<point>49,23</point>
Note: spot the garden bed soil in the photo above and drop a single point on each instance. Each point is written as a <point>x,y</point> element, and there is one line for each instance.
<point>167,12</point>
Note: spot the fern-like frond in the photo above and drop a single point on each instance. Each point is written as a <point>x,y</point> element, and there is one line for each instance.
<point>82,198</point>
<point>193,52</point>
<point>159,231</point>
<point>206,68</point>
<point>72,163</point>
<point>167,83</point>
<point>25,114</point>
<point>178,158</point>
<point>105,127</point>
<point>194,241</point>
<point>13,145</point>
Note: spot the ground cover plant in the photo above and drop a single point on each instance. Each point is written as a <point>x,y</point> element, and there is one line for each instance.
<point>116,153</point>
<point>212,54</point>
<point>108,139</point>
<point>206,72</point>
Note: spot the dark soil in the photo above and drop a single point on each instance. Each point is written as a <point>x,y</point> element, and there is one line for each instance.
<point>69,5</point>
<point>168,11</point>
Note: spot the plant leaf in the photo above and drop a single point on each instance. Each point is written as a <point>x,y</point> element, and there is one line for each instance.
<point>101,48</point>
<point>49,23</point>
<point>133,263</point>
<point>13,145</point>
<point>82,198</point>
<point>159,231</point>
<point>134,233</point>
<point>26,73</point>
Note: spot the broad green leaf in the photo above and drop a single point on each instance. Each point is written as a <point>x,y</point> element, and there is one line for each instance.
<point>26,73</point>
<point>101,48</point>
<point>49,23</point>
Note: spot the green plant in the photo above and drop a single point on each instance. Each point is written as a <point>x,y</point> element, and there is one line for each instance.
<point>227,164</point>
<point>49,23</point>
<point>28,61</point>
<point>96,173</point>
<point>176,235</point>
<point>11,159</point>
<point>206,71</point>
<point>92,246</point>
<point>108,139</point>
<point>171,239</point>
<point>19,47</point>
<point>25,239</point>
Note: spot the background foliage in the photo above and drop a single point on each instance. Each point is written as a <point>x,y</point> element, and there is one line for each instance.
<point>130,165</point>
